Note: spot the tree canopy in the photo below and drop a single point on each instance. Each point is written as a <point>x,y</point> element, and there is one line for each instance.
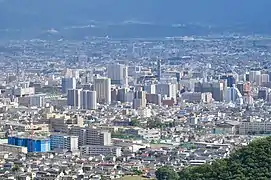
<point>248,163</point>
<point>166,173</point>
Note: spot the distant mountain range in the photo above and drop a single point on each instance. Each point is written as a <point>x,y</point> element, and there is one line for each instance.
<point>135,18</point>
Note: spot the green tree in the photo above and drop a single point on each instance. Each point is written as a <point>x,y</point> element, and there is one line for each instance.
<point>248,163</point>
<point>166,173</point>
<point>135,122</point>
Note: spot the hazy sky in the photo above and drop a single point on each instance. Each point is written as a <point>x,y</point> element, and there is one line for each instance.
<point>164,11</point>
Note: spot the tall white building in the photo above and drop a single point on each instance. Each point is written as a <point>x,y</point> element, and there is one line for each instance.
<point>168,90</point>
<point>118,73</point>
<point>253,75</point>
<point>88,99</point>
<point>233,95</point>
<point>74,98</point>
<point>139,100</point>
<point>150,88</point>
<point>102,86</point>
<point>68,83</point>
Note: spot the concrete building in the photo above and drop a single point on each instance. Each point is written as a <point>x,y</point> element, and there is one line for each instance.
<point>95,150</point>
<point>102,86</point>
<point>64,142</point>
<point>216,88</point>
<point>68,83</point>
<point>147,134</point>
<point>254,127</point>
<point>122,94</point>
<point>233,95</point>
<point>23,91</point>
<point>37,100</point>
<point>252,75</point>
<point>195,97</point>
<point>74,98</point>
<point>13,149</point>
<point>265,78</point>
<point>88,100</point>
<point>150,88</point>
<point>140,100</point>
<point>118,73</point>
<point>167,90</point>
<point>90,136</point>
<point>154,99</point>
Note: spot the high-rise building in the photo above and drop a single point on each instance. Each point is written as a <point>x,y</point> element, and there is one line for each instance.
<point>252,75</point>
<point>263,93</point>
<point>150,88</point>
<point>140,100</point>
<point>154,99</point>
<point>88,99</point>
<point>216,88</point>
<point>68,83</point>
<point>74,98</point>
<point>118,73</point>
<point>167,90</point>
<point>240,87</point>
<point>265,78</point>
<point>159,70</point>
<point>102,86</point>
<point>233,95</point>
<point>122,94</point>
<point>230,80</point>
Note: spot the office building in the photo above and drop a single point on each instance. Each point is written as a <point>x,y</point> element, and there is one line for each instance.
<point>230,80</point>
<point>122,94</point>
<point>74,98</point>
<point>96,150</point>
<point>253,75</point>
<point>37,100</point>
<point>167,90</point>
<point>263,93</point>
<point>64,142</point>
<point>139,100</point>
<point>240,87</point>
<point>197,97</point>
<point>216,88</point>
<point>102,86</point>
<point>264,78</point>
<point>88,100</point>
<point>150,88</point>
<point>154,99</point>
<point>233,95</point>
<point>118,73</point>
<point>68,83</point>
<point>90,136</point>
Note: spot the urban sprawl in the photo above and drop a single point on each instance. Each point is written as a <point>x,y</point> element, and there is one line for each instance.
<point>106,108</point>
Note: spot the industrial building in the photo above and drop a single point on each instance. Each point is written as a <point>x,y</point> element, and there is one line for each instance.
<point>33,144</point>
